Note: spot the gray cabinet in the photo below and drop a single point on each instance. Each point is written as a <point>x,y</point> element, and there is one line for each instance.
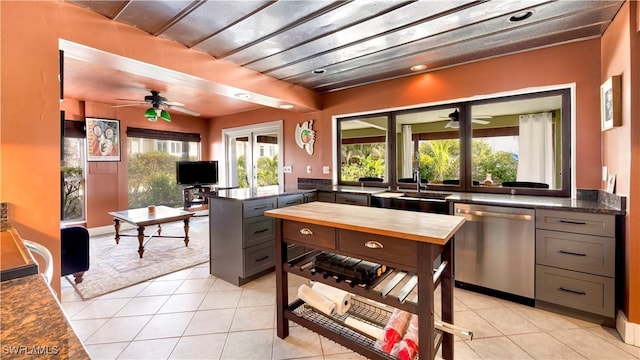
<point>352,199</point>
<point>326,196</point>
<point>575,262</point>
<point>242,238</point>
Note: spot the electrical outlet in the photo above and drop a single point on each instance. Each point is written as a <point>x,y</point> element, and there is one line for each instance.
<point>308,169</point>
<point>286,169</point>
<point>326,170</point>
<point>605,173</point>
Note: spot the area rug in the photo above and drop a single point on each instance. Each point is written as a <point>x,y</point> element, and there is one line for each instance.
<point>113,267</point>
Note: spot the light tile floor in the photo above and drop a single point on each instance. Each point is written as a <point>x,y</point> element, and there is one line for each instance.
<point>191,314</point>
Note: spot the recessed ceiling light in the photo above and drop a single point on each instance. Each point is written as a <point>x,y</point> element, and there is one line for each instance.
<point>319,71</point>
<point>243,96</point>
<point>286,106</point>
<point>418,67</point>
<point>521,16</point>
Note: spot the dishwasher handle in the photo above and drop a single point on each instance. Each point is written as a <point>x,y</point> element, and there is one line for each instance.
<point>495,214</point>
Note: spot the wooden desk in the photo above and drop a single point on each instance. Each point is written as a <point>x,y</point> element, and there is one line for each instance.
<point>142,217</point>
<point>407,242</point>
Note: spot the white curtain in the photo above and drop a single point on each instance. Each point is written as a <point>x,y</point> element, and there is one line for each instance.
<point>407,152</point>
<point>536,160</point>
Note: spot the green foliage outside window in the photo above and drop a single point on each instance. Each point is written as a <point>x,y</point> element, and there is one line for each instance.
<point>362,160</point>
<point>72,189</point>
<point>152,180</point>
<point>268,170</point>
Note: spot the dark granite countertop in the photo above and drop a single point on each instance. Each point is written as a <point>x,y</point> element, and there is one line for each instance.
<point>33,323</point>
<point>537,202</point>
<point>248,194</point>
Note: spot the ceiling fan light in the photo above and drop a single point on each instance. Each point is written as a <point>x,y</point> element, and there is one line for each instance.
<point>151,114</point>
<point>452,124</point>
<point>164,114</point>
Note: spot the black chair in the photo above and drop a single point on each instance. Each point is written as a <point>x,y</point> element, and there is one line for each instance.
<point>367,178</point>
<point>525,184</point>
<point>75,251</point>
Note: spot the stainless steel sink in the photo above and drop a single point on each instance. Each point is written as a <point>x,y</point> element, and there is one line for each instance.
<point>433,196</point>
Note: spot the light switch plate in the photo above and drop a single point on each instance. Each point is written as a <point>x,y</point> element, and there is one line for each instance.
<point>286,169</point>
<point>308,169</point>
<point>326,170</point>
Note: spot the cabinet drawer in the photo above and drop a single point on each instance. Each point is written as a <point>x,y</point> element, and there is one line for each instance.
<point>309,197</point>
<point>352,199</point>
<point>257,230</point>
<point>590,293</point>
<point>590,254</point>
<point>382,249</point>
<point>326,196</point>
<point>258,258</point>
<point>583,223</point>
<point>290,200</point>
<point>309,234</point>
<point>258,207</point>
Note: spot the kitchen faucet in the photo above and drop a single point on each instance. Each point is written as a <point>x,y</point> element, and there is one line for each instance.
<point>418,180</point>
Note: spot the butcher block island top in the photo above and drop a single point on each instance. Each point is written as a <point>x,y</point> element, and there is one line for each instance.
<point>423,227</point>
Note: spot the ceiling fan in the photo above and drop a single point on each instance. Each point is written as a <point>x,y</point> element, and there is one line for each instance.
<point>158,103</point>
<point>454,120</point>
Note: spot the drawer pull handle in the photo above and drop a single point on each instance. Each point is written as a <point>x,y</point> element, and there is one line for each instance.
<point>261,231</point>
<point>572,291</point>
<point>573,222</point>
<point>260,207</point>
<point>263,258</point>
<point>306,231</point>
<point>571,253</point>
<point>372,244</point>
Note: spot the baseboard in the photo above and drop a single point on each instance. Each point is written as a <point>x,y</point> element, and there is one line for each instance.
<point>107,229</point>
<point>630,332</point>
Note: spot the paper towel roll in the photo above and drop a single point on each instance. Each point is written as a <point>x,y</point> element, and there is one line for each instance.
<point>366,328</point>
<point>341,298</point>
<point>316,300</point>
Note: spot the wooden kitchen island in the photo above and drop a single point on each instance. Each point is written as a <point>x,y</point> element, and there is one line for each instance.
<point>415,247</point>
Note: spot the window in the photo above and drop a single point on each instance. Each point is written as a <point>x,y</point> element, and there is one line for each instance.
<point>151,171</point>
<point>515,144</point>
<point>252,156</point>
<point>73,171</point>
<point>363,149</point>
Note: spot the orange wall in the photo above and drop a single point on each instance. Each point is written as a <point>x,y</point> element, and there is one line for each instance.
<point>621,145</point>
<point>545,67</point>
<point>104,179</point>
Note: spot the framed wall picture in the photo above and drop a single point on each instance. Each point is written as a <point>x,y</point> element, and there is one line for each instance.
<point>103,139</point>
<point>611,183</point>
<point>611,103</point>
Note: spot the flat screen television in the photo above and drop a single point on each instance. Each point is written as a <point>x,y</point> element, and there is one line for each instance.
<point>194,173</point>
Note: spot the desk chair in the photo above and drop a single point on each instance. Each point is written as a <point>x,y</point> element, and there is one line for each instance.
<point>75,251</point>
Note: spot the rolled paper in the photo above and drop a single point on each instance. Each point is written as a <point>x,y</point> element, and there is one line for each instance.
<point>408,347</point>
<point>393,331</point>
<point>365,328</point>
<point>341,298</point>
<point>316,300</point>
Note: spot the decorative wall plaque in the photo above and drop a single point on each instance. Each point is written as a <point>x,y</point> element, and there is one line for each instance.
<point>306,136</point>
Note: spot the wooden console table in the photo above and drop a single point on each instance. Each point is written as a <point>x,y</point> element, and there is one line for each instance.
<point>409,243</point>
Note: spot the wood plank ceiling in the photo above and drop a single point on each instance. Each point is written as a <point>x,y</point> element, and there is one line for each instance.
<point>327,45</point>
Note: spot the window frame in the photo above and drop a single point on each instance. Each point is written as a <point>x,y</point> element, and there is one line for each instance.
<point>466,137</point>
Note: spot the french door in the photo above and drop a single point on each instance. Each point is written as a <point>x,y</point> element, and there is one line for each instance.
<point>253,155</point>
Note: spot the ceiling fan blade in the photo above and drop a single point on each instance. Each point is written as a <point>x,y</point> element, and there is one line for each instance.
<point>183,110</point>
<point>125,105</point>
<point>172,103</point>
<point>478,121</point>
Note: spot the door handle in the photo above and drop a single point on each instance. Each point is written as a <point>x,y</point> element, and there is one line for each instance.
<point>571,253</point>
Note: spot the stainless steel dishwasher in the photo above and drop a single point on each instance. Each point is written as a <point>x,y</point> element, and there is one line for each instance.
<point>495,249</point>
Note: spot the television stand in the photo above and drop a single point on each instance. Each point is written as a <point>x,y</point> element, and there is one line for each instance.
<point>192,196</point>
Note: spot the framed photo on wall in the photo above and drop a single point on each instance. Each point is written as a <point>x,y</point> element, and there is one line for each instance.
<point>611,103</point>
<point>103,139</point>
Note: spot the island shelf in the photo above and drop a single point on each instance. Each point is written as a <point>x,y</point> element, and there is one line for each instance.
<point>415,247</point>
